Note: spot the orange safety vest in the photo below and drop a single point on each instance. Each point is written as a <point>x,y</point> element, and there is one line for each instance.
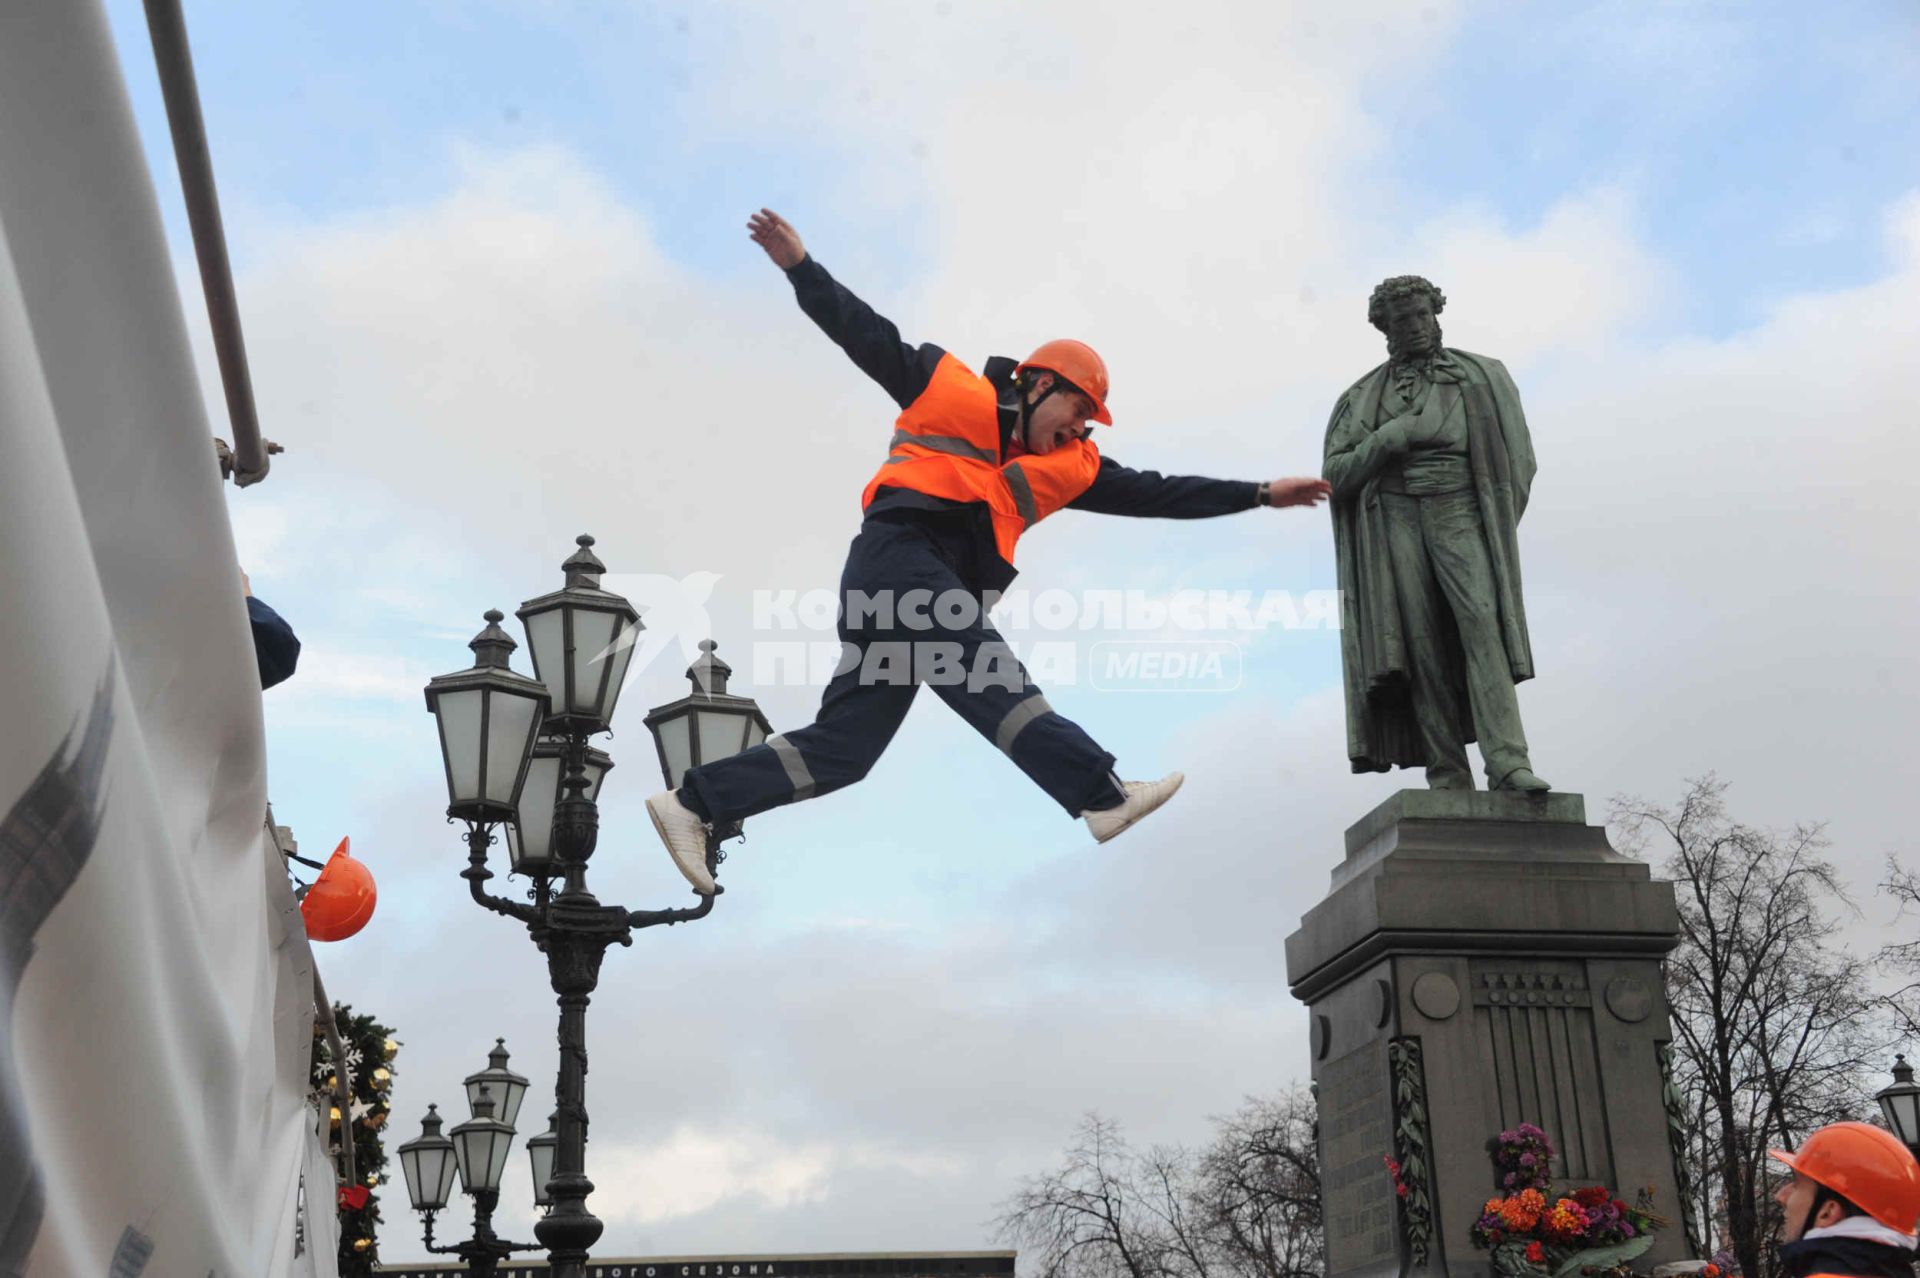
<point>947,444</point>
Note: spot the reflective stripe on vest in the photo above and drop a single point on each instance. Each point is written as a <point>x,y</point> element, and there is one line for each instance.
<point>943,444</point>
<point>1022,493</point>
<point>947,444</point>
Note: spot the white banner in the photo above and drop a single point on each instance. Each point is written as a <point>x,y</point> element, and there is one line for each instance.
<point>155,983</point>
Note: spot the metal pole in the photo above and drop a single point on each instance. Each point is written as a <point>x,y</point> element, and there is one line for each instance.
<point>570,1229</point>
<point>574,930</point>
<point>174,60</point>
<point>485,1260</point>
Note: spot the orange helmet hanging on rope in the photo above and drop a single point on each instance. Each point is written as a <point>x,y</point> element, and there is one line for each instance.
<point>1078,363</point>
<point>341,900</point>
<point>1868,1167</point>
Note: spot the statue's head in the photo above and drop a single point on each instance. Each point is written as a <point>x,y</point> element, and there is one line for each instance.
<point>1405,308</point>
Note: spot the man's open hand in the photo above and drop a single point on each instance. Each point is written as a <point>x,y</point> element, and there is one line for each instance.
<point>777,236</point>
<point>1297,492</point>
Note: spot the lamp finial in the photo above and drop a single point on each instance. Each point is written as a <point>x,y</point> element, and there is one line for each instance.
<point>492,646</point>
<point>583,567</point>
<point>708,672</point>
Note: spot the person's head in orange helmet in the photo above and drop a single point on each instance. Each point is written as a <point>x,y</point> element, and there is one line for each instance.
<point>1852,1205</point>
<point>1063,387</point>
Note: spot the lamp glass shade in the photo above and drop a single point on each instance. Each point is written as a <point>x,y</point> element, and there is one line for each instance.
<point>428,1163</point>
<point>581,651</point>
<point>512,722</point>
<point>722,733</point>
<point>599,763</point>
<point>530,833</point>
<point>500,1085</point>
<point>615,663</point>
<point>488,717</point>
<point>540,1152</point>
<point>459,716</point>
<point>547,645</point>
<point>675,739</point>
<point>487,728</point>
<point>706,725</point>
<point>481,1145</point>
<point>1900,1105</point>
<point>593,635</point>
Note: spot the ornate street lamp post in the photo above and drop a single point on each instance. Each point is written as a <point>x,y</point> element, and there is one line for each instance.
<point>478,1149</point>
<point>517,754</point>
<point>1900,1105</point>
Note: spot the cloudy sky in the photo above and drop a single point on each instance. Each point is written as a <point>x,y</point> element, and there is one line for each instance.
<point>498,292</point>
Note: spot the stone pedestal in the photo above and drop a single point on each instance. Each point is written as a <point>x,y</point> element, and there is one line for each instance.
<point>1483,959</point>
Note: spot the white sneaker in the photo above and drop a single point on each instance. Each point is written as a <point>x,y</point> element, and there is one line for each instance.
<point>1142,798</point>
<point>685,836</point>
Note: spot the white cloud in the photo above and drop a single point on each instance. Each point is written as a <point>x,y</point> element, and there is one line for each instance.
<point>695,1169</point>
<point>1577,278</point>
<point>326,674</point>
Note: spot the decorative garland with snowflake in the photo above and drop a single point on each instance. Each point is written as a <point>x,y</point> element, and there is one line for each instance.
<point>370,1049</point>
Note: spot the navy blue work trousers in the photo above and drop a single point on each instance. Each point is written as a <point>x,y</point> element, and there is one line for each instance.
<point>902,623</point>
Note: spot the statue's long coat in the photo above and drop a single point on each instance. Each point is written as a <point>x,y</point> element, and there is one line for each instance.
<point>1381,732</point>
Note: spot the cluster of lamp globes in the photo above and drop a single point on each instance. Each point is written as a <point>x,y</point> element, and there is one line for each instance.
<point>476,1149</point>
<point>503,740</point>
<point>503,736</point>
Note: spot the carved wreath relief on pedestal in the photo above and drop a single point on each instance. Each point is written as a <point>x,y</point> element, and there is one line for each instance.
<point>1410,1148</point>
<point>1677,1145</point>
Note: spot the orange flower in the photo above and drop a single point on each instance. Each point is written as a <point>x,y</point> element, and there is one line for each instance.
<point>1566,1220</point>
<point>1522,1211</point>
<point>1495,1204</point>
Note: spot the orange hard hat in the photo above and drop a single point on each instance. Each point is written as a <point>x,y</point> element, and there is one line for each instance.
<point>341,900</point>
<point>1080,364</point>
<point>1865,1165</point>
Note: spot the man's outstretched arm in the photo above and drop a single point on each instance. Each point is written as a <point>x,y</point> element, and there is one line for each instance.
<point>868,338</point>
<point>1119,490</point>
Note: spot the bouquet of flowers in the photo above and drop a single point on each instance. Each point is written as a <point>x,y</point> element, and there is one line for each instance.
<point>1523,1156</point>
<point>1535,1234</point>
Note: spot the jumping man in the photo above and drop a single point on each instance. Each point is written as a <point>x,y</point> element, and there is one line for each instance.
<point>975,460</point>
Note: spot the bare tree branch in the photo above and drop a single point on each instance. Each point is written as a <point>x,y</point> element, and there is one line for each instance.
<point>1774,1026</point>
<point>1247,1206</point>
<point>1902,959</point>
